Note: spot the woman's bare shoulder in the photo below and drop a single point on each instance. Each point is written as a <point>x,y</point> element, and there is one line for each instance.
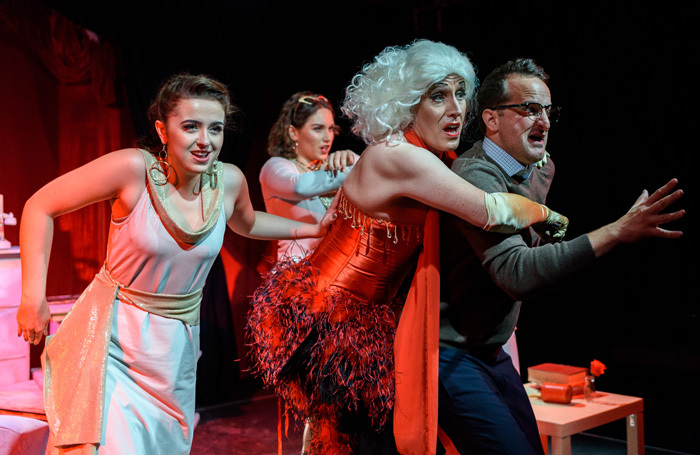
<point>231,171</point>
<point>400,160</point>
<point>128,159</point>
<point>233,178</point>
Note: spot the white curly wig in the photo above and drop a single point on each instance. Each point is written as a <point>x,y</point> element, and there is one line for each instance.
<point>381,97</point>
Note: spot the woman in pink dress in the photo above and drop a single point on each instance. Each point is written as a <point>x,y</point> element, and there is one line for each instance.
<point>120,372</point>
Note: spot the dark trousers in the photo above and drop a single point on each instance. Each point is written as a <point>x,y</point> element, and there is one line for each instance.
<point>483,406</point>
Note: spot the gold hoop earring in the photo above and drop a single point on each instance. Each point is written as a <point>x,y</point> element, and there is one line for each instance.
<point>161,166</point>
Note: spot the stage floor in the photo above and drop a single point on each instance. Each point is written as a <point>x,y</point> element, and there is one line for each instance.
<point>244,427</point>
<point>249,426</point>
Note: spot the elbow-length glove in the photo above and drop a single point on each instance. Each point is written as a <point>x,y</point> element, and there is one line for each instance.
<point>509,213</point>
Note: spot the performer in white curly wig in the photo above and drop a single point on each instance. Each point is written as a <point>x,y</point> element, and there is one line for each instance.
<point>381,100</point>
<point>331,333</point>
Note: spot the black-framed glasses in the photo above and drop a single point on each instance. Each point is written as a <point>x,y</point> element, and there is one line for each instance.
<point>534,111</point>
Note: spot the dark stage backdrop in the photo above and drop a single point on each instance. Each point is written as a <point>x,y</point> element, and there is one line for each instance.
<point>618,70</point>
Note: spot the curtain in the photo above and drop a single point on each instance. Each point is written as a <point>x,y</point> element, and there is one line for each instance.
<point>63,107</point>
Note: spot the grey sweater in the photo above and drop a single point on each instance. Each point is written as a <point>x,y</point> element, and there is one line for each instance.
<point>484,275</point>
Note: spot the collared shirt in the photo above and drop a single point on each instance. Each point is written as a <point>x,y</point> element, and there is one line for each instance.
<point>510,165</point>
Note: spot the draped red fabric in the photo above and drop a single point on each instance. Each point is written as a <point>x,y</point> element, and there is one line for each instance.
<point>87,129</point>
<point>60,107</point>
<point>71,53</point>
<point>416,344</point>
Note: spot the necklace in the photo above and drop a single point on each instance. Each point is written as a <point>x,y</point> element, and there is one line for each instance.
<point>325,199</point>
<point>310,167</point>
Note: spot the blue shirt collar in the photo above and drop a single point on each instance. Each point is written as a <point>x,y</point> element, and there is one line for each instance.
<point>510,165</point>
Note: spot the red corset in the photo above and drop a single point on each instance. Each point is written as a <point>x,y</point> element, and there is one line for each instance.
<point>367,257</point>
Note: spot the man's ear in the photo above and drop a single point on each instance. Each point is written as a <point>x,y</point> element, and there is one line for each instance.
<point>490,118</point>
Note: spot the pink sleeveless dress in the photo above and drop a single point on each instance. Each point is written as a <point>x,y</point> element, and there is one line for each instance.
<point>149,381</point>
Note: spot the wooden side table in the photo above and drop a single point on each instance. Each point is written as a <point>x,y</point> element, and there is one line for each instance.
<point>559,422</point>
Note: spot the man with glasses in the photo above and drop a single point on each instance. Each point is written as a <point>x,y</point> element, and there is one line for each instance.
<point>483,405</point>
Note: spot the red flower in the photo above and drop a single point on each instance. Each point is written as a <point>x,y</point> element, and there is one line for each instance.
<point>597,367</point>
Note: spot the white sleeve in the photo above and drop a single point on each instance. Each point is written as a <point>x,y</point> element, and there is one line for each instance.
<point>282,179</point>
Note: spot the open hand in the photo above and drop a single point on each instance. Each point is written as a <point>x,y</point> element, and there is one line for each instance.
<point>644,218</point>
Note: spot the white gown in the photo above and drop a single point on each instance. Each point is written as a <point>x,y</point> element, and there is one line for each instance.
<point>151,363</point>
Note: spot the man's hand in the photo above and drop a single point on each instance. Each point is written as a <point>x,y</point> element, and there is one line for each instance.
<point>644,218</point>
<point>642,221</point>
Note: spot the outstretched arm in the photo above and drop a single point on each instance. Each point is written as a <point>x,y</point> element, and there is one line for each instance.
<point>243,220</point>
<point>420,175</point>
<point>642,221</point>
<point>280,178</point>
